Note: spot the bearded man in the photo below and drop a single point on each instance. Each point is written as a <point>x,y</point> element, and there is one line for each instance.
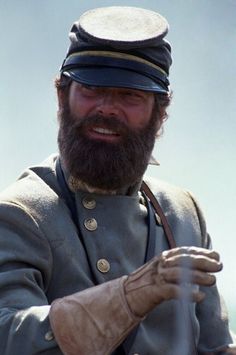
<point>91,261</point>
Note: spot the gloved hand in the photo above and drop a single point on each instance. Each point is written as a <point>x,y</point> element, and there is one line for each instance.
<point>231,350</point>
<point>95,321</point>
<point>174,274</point>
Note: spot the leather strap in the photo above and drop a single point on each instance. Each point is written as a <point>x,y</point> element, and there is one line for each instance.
<point>145,188</point>
<point>170,238</point>
<point>127,344</point>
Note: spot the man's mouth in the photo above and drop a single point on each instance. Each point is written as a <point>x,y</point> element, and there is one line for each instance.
<point>105,131</point>
<point>102,133</point>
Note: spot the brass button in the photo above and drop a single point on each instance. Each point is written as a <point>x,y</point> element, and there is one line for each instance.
<point>103,265</point>
<point>49,335</point>
<point>142,201</point>
<point>158,219</point>
<point>90,224</point>
<point>89,203</point>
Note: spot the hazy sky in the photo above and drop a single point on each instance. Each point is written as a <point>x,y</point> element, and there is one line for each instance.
<point>198,149</point>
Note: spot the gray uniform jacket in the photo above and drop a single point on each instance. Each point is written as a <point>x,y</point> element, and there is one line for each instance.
<point>42,258</point>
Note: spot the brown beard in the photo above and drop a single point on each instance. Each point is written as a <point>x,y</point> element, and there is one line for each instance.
<point>101,164</point>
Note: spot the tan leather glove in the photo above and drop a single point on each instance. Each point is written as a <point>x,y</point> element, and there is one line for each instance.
<point>173,275</point>
<point>231,350</point>
<point>97,320</point>
<point>94,321</point>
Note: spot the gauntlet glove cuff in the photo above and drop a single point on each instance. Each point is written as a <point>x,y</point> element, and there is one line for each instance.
<point>93,321</point>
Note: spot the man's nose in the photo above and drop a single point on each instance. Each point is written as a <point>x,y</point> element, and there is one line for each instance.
<point>108,104</point>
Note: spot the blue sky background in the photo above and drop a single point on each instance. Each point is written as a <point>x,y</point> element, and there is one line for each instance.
<point>198,149</point>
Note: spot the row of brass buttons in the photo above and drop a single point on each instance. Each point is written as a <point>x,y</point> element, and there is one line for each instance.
<point>91,224</point>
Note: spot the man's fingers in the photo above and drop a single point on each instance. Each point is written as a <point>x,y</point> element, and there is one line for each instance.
<point>178,275</point>
<point>191,261</point>
<point>172,291</point>
<point>212,254</point>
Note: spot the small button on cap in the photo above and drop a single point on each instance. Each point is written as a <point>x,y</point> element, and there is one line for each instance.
<point>103,265</point>
<point>49,335</point>
<point>90,224</point>
<point>89,203</point>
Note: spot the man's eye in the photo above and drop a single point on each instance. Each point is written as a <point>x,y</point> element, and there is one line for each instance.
<point>89,89</point>
<point>132,95</point>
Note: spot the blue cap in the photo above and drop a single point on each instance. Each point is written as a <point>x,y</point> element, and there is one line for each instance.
<point>120,47</point>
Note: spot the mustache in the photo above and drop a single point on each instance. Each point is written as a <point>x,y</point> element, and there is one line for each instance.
<point>112,123</point>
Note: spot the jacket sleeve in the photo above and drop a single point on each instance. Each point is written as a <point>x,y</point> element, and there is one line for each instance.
<point>25,264</point>
<point>211,312</point>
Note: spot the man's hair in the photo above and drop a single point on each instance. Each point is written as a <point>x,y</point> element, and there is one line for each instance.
<point>62,82</point>
<point>162,101</point>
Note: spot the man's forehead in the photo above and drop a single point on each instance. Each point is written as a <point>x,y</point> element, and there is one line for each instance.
<point>110,88</point>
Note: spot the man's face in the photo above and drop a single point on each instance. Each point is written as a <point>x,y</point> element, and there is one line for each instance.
<point>131,107</point>
<point>106,135</point>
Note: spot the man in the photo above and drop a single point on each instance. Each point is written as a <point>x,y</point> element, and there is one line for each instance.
<point>91,262</point>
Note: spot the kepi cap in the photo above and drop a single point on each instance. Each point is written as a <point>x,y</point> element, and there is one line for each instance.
<point>120,47</point>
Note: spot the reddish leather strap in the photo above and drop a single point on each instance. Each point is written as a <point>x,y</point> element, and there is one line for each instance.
<point>171,241</point>
<point>169,235</point>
